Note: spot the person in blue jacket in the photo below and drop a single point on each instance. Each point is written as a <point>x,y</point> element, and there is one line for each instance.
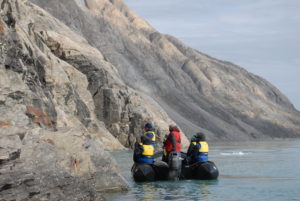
<point>150,133</point>
<point>144,151</point>
<point>198,149</point>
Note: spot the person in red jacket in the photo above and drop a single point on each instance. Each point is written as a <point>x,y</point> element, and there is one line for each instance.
<point>172,143</point>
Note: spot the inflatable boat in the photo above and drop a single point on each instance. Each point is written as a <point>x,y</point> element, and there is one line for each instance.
<point>200,170</point>
<point>150,172</point>
<point>174,170</point>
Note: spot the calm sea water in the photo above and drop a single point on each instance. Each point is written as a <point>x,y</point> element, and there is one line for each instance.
<point>262,171</point>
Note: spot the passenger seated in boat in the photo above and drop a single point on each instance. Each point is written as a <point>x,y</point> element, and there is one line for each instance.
<point>198,149</point>
<point>172,142</point>
<point>143,151</point>
<point>150,133</point>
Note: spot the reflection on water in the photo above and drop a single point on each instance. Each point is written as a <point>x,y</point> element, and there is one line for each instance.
<point>164,190</point>
<point>248,171</point>
<point>148,191</point>
<point>204,190</point>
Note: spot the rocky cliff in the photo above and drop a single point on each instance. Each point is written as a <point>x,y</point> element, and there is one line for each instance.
<point>51,143</point>
<point>197,91</point>
<point>84,76</point>
<point>62,104</point>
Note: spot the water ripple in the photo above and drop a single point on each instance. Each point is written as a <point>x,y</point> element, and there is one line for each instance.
<point>240,153</point>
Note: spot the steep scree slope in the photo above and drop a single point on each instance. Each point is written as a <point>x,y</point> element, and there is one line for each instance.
<point>197,91</point>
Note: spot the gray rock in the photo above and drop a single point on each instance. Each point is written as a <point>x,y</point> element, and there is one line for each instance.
<point>199,92</point>
<point>44,167</point>
<point>52,146</point>
<point>61,106</point>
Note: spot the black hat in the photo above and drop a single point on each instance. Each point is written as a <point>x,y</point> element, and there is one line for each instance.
<point>148,125</point>
<point>201,136</point>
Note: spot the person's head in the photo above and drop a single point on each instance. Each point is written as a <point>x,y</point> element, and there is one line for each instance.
<point>201,136</point>
<point>173,127</point>
<point>148,126</point>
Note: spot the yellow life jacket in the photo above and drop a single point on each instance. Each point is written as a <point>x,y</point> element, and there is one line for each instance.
<point>153,138</point>
<point>148,149</point>
<point>204,147</point>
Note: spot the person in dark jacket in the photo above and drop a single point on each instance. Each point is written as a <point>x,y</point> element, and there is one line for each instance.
<point>149,132</point>
<point>198,149</point>
<point>143,151</point>
<point>172,142</point>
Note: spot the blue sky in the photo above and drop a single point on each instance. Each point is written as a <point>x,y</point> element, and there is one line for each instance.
<point>262,36</point>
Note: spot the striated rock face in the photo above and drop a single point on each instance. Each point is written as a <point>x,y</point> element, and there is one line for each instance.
<point>51,143</point>
<point>46,165</point>
<point>197,91</point>
<point>62,104</point>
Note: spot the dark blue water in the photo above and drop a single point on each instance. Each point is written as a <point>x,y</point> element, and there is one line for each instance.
<point>262,171</point>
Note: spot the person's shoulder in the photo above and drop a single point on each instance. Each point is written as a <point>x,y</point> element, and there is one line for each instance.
<point>149,133</point>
